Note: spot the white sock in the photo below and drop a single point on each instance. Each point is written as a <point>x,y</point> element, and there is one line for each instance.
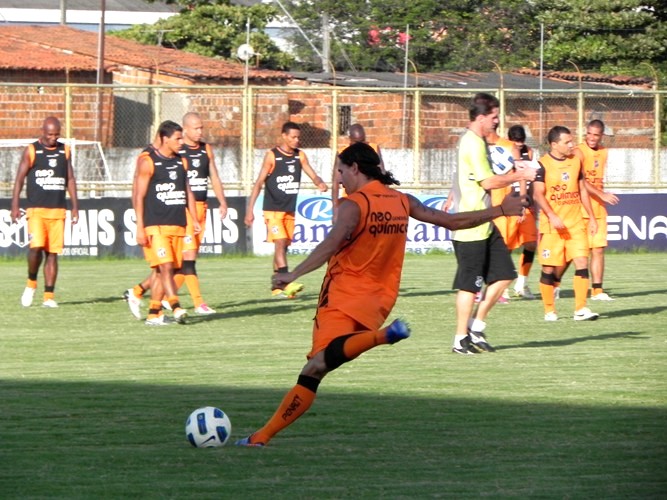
<point>457,340</point>
<point>520,283</point>
<point>478,326</point>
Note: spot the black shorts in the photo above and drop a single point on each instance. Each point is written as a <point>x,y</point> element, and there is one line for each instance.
<point>480,262</point>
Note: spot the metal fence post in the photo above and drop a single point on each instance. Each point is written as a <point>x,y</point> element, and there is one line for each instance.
<point>416,142</point>
<point>157,111</point>
<point>68,111</point>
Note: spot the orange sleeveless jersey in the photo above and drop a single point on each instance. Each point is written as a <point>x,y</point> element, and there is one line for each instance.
<point>561,189</point>
<point>363,277</point>
<point>498,195</point>
<point>594,164</point>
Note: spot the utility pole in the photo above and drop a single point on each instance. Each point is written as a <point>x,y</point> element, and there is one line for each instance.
<point>63,12</point>
<point>326,43</point>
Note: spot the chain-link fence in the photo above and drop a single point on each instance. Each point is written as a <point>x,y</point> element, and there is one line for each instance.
<point>417,129</point>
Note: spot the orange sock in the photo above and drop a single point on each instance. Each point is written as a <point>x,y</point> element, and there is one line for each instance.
<point>596,291</point>
<point>580,291</point>
<point>173,302</point>
<point>154,309</point>
<point>138,291</point>
<point>31,283</point>
<point>179,278</point>
<point>295,403</point>
<point>359,343</point>
<point>192,282</point>
<point>548,299</point>
<point>49,296</point>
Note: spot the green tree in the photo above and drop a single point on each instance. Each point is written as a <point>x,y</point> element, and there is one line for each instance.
<point>214,30</point>
<point>611,36</point>
<point>458,34</point>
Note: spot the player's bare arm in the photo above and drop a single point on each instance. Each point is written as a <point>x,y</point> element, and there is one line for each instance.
<point>267,166</point>
<point>604,196</point>
<point>541,201</point>
<point>511,205</point>
<point>71,189</point>
<point>218,189</point>
<point>142,180</point>
<point>192,208</point>
<point>317,180</point>
<point>348,219</point>
<point>586,202</point>
<point>501,181</point>
<point>24,167</point>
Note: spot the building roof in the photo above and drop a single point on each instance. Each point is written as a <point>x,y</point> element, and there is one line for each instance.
<point>60,48</point>
<point>528,79</point>
<point>110,5</point>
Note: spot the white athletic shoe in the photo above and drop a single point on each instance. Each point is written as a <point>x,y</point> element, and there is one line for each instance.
<point>551,316</point>
<point>602,297</point>
<point>28,295</point>
<point>180,314</point>
<point>557,293</point>
<point>524,292</point>
<point>166,305</point>
<point>156,321</point>
<point>50,303</point>
<point>134,303</point>
<point>204,309</point>
<point>585,314</point>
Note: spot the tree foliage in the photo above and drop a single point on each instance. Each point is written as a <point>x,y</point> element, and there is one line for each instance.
<point>214,30</point>
<point>473,34</point>
<point>607,35</point>
<point>612,36</point>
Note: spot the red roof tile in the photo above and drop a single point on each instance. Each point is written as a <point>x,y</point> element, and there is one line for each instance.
<point>53,48</point>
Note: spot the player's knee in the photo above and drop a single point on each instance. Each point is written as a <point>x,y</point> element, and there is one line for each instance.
<point>310,383</point>
<point>334,354</point>
<point>582,273</point>
<point>528,256</point>
<point>547,278</point>
<point>188,267</point>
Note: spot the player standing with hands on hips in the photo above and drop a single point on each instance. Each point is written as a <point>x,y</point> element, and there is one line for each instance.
<point>364,250</point>
<point>281,177</point>
<point>46,165</point>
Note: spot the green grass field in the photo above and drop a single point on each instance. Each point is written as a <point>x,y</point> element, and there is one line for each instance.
<point>93,402</point>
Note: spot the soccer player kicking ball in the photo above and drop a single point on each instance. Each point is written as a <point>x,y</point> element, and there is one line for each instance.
<point>364,251</point>
<point>559,190</point>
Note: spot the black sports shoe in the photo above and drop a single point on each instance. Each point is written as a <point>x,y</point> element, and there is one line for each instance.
<point>467,347</point>
<point>480,342</point>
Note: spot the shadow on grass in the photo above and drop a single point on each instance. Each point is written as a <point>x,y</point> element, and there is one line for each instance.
<point>570,341</point>
<point>119,440</point>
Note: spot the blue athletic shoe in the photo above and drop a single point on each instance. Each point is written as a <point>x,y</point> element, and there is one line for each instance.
<point>246,442</point>
<point>397,330</point>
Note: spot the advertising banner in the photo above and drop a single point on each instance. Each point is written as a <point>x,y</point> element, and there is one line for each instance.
<point>313,221</point>
<point>638,221</point>
<point>107,227</point>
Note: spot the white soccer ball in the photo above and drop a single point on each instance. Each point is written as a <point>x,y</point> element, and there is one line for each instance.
<point>208,427</point>
<point>501,158</point>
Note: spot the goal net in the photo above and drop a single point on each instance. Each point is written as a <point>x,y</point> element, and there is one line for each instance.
<point>88,161</point>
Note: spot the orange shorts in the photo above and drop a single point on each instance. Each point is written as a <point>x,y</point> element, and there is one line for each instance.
<point>517,233</point>
<point>46,228</point>
<point>165,244</point>
<point>279,225</point>
<point>331,324</point>
<point>557,249</point>
<point>599,239</point>
<point>193,241</point>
